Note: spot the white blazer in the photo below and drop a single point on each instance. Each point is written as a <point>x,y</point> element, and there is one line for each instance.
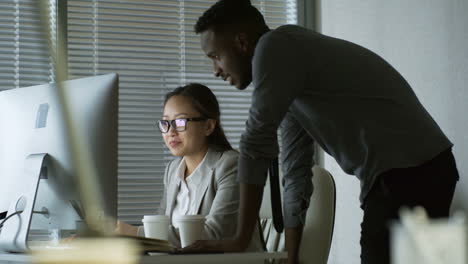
<point>217,197</point>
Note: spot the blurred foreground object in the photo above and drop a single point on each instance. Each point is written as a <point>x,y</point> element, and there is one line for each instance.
<point>87,185</point>
<point>416,239</point>
<point>90,251</point>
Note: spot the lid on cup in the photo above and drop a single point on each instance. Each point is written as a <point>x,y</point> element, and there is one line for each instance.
<point>148,218</point>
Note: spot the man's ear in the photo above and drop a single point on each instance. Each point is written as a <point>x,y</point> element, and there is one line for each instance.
<point>210,126</point>
<point>242,42</point>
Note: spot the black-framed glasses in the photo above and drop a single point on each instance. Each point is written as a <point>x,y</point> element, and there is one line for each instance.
<point>179,124</point>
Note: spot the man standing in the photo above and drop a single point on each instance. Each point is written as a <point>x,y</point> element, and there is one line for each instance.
<point>350,101</point>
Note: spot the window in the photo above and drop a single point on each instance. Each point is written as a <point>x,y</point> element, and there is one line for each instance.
<point>151,44</point>
<point>23,50</point>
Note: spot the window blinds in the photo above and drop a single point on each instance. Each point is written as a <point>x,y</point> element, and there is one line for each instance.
<point>151,44</point>
<point>24,59</point>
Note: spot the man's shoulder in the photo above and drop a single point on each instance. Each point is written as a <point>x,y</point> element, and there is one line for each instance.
<point>288,28</point>
<point>281,31</point>
<point>286,31</point>
<point>288,37</point>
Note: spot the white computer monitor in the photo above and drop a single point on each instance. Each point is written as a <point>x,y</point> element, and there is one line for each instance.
<point>31,123</point>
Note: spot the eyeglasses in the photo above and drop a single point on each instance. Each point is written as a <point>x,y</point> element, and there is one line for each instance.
<point>179,124</point>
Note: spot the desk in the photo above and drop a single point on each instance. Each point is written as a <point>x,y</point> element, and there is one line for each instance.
<point>228,258</point>
<point>6,258</point>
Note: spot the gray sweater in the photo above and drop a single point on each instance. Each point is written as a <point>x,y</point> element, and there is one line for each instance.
<point>346,98</point>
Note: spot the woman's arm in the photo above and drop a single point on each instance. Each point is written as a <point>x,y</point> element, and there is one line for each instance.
<point>173,235</point>
<point>163,203</point>
<point>126,229</point>
<point>221,221</point>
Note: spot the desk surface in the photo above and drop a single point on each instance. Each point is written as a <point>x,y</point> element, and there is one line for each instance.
<point>7,258</point>
<point>227,258</point>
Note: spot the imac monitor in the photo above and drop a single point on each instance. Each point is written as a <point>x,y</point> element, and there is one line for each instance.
<point>33,135</point>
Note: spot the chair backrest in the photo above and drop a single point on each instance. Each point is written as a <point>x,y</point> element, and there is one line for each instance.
<point>320,219</point>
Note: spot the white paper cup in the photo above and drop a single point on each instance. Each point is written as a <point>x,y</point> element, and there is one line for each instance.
<point>156,226</point>
<point>190,228</point>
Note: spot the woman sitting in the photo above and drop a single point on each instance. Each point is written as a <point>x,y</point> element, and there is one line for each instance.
<point>203,179</point>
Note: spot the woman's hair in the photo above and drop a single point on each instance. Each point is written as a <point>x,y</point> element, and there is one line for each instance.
<point>205,102</point>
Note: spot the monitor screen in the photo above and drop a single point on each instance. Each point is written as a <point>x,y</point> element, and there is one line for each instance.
<point>32,123</point>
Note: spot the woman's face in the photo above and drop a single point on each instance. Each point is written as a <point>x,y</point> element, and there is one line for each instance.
<point>194,139</point>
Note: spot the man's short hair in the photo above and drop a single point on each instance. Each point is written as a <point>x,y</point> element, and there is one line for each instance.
<point>230,13</point>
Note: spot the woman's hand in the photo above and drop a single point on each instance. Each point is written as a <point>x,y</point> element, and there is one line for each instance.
<point>126,229</point>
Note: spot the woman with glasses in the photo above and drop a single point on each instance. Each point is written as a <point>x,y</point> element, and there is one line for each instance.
<point>203,178</point>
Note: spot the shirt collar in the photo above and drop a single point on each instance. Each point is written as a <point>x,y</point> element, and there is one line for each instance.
<point>195,177</point>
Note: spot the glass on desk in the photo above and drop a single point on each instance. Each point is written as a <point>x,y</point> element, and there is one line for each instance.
<point>156,226</point>
<point>191,228</point>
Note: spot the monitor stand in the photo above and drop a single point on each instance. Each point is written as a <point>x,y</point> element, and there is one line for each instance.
<point>15,230</point>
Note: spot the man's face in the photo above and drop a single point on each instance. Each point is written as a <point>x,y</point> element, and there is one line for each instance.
<point>231,56</point>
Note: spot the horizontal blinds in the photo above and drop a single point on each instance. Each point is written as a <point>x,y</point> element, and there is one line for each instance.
<point>139,40</point>
<point>151,44</point>
<point>8,42</point>
<point>23,50</point>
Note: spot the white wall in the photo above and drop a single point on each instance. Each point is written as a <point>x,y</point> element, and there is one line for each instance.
<point>427,41</point>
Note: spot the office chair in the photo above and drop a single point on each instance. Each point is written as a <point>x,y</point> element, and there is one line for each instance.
<point>320,219</point>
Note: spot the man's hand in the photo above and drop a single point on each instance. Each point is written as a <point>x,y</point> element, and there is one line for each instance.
<point>293,243</point>
<point>214,246</point>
